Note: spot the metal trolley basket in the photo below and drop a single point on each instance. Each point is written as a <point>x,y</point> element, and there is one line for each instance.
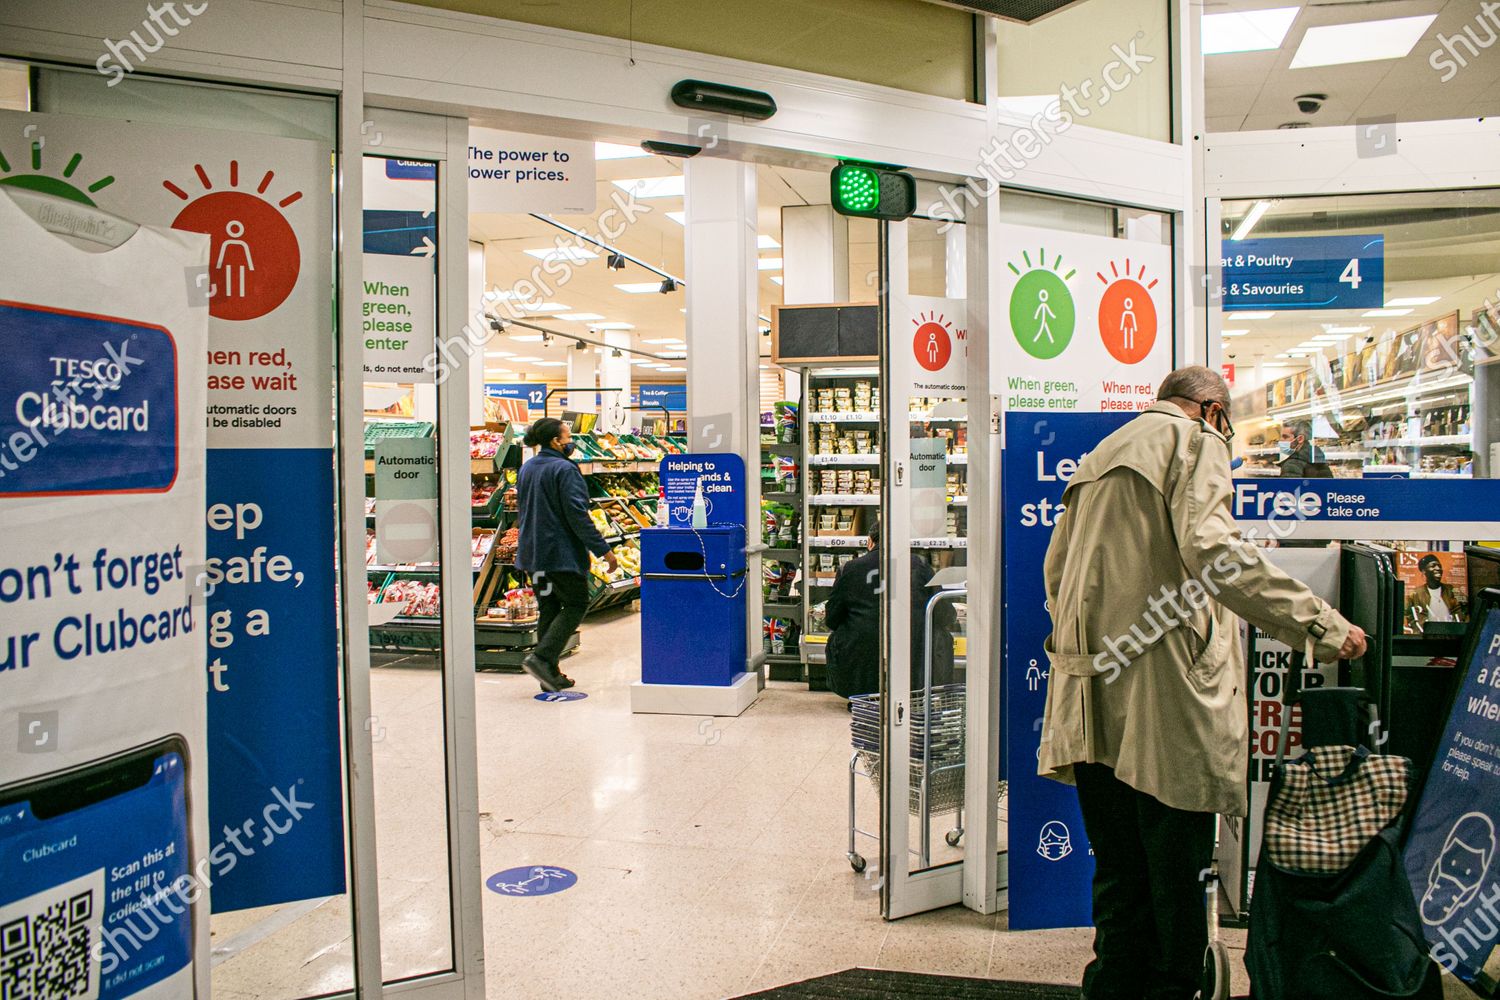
<point>937,762</point>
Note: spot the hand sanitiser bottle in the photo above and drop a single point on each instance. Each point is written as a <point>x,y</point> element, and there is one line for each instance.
<point>700,508</point>
<point>662,520</point>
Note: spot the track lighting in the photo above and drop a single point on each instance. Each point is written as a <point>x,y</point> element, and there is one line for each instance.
<point>668,285</point>
<point>615,262</point>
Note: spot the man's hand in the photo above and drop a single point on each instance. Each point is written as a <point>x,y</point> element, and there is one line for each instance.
<point>614,564</point>
<point>1354,644</point>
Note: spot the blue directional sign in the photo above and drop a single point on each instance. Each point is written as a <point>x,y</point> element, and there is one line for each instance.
<point>673,397</point>
<point>560,696</point>
<point>535,393</point>
<point>1304,272</point>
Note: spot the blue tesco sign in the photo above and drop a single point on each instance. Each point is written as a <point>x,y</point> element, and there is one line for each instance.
<point>673,397</point>
<point>1305,272</point>
<point>535,393</point>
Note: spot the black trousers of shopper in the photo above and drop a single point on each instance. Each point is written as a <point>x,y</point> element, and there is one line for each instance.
<point>562,599</point>
<point>1150,927</point>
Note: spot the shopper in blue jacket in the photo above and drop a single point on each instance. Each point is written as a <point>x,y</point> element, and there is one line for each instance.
<point>556,539</point>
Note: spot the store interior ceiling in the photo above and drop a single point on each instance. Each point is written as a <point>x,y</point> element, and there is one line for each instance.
<point>1442,252</point>
<point>590,303</point>
<point>1262,55</point>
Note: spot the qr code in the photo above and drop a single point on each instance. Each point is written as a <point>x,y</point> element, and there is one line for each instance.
<point>47,940</point>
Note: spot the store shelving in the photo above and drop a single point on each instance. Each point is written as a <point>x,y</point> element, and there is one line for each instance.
<point>783,585</point>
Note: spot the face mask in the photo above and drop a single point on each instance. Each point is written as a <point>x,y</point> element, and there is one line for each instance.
<point>568,449</point>
<point>1284,449</point>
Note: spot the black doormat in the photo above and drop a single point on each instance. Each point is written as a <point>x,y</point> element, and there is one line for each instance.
<point>875,984</point>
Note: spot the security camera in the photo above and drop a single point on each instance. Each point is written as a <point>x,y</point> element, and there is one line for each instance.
<point>1310,104</point>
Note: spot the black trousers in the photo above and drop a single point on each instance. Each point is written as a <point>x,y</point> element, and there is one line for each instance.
<point>1150,926</point>
<point>562,599</point>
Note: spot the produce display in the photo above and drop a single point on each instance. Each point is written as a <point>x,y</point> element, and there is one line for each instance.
<point>369,546</point>
<point>626,485</point>
<point>505,551</point>
<point>480,495</point>
<point>517,606</point>
<point>485,443</point>
<point>481,543</point>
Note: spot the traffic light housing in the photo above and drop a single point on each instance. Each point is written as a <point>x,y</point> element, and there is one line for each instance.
<point>869,192</point>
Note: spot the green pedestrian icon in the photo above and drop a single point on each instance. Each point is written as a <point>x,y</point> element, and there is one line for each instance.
<point>1041,307</point>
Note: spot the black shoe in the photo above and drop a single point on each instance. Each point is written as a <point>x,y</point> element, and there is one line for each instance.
<point>541,672</point>
<point>563,681</point>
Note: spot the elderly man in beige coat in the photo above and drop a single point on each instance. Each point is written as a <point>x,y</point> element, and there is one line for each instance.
<point>1146,709</point>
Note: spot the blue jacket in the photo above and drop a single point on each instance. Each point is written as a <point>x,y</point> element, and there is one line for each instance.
<point>553,508</point>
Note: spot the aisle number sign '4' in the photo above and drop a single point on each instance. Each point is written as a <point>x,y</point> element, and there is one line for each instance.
<point>1304,272</point>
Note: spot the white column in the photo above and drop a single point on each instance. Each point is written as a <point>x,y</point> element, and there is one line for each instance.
<point>614,373</point>
<point>583,369</point>
<point>723,360</point>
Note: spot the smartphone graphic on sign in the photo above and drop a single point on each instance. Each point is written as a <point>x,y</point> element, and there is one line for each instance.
<point>95,894</point>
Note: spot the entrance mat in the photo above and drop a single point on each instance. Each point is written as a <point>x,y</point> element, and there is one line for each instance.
<point>876,984</point>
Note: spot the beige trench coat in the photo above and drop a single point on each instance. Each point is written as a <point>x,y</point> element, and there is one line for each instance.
<point>1145,574</point>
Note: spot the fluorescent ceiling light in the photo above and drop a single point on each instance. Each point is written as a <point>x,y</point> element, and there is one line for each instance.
<point>1247,31</point>
<point>768,264</point>
<point>614,326</point>
<point>1361,41</point>
<point>574,255</point>
<point>1250,219</point>
<point>683,310</point>
<point>678,217</point>
<point>1331,338</point>
<point>672,368</point>
<point>1387,312</point>
<point>778,279</point>
<point>664,340</point>
<point>522,361</point>
<point>1334,328</point>
<point>670,186</point>
<point>764,242</point>
<point>499,354</point>
<point>1416,300</point>
<point>1233,333</point>
<point>527,338</point>
<point>639,287</point>
<point>547,307</point>
<point>1253,315</point>
<point>579,317</point>
<point>616,151</point>
<point>671,355</point>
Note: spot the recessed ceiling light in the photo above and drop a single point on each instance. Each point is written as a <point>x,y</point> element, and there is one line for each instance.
<point>522,361</point>
<point>683,310</point>
<point>1246,31</point>
<point>764,242</point>
<point>1233,333</point>
<point>639,287</point>
<point>616,151</point>
<point>1335,328</point>
<point>678,217</point>
<point>579,317</point>
<point>1331,338</point>
<point>551,364</point>
<point>670,186</point>
<point>1387,312</point>
<point>499,354</point>
<point>1250,219</point>
<point>1253,315</point>
<point>671,355</point>
<point>778,279</point>
<point>1416,300</point>
<point>527,338</point>
<point>574,255</point>
<point>546,307</point>
<point>768,264</point>
<point>672,368</point>
<point>1361,41</point>
<point>614,325</point>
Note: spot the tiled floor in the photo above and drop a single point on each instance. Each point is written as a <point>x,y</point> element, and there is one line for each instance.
<point>710,852</point>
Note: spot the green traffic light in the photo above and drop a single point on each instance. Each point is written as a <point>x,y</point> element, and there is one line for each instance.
<point>859,188</point>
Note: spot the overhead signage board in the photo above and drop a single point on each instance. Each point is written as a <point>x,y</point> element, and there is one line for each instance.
<point>673,397</point>
<point>511,173</point>
<point>1304,272</point>
<point>1368,508</point>
<point>534,393</point>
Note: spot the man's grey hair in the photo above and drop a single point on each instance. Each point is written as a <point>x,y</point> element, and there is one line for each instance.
<point>1195,383</point>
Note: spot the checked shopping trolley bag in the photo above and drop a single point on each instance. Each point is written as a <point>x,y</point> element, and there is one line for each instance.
<point>1333,913</point>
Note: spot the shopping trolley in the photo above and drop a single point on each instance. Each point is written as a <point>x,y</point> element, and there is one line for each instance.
<point>938,719</point>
